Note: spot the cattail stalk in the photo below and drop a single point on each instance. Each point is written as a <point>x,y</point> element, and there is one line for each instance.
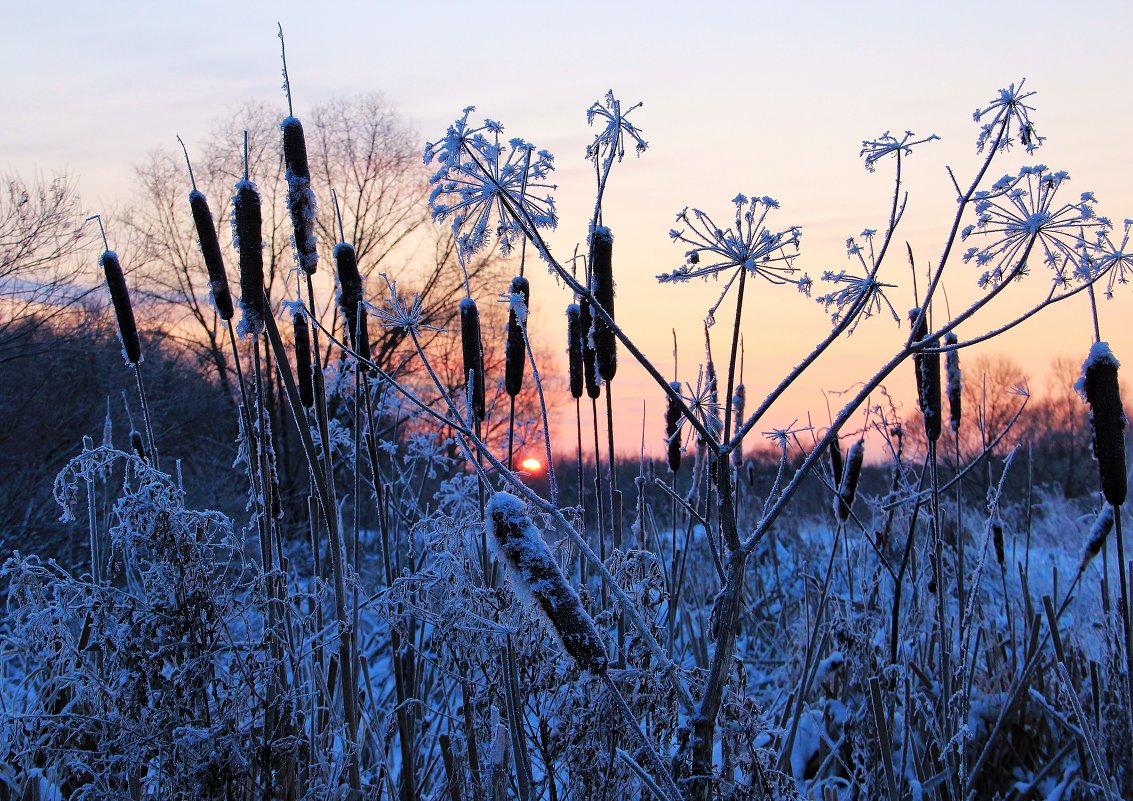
<point>301,204</point>
<point>848,483</point>
<point>954,383</point>
<point>602,286</point>
<point>303,371</point>
<point>672,428</point>
<point>210,250</point>
<point>351,301</point>
<point>515,353</point>
<point>1100,389</point>
<point>472,348</point>
<point>928,377</point>
<point>247,222</point>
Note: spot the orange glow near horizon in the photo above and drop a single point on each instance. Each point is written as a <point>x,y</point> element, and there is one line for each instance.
<point>532,465</point>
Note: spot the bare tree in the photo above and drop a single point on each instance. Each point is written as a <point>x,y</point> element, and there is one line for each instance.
<point>40,230</point>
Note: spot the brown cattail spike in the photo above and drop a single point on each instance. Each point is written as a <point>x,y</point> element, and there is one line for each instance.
<point>515,353</point>
<point>672,429</point>
<point>589,358</point>
<point>210,250</point>
<point>954,384</point>
<point>246,228</point>
<point>602,285</point>
<point>1098,385</point>
<point>574,349</point>
<point>350,298</point>
<point>928,377</point>
<point>848,486</point>
<point>300,198</point>
<point>472,347</point>
<point>120,298</point>
<point>836,460</point>
<point>303,360</point>
<point>1103,524</point>
<point>536,578</point>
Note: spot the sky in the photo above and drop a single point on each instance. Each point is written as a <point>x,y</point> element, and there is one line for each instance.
<point>753,97</point>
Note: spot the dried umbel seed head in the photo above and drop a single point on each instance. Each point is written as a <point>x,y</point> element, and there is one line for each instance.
<point>954,385</point>
<point>602,285</point>
<point>537,579</point>
<point>928,377</point>
<point>574,349</point>
<point>472,347</point>
<point>120,298</point>
<point>350,299</point>
<point>300,198</point>
<point>303,360</point>
<point>515,353</point>
<point>1099,532</point>
<point>589,358</point>
<point>246,229</point>
<point>1098,385</point>
<point>672,428</point>
<point>210,250</point>
<point>848,486</point>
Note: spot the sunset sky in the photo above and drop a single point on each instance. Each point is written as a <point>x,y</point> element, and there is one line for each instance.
<point>760,98</point>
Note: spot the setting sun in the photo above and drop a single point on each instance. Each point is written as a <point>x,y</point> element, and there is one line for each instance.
<point>532,465</point>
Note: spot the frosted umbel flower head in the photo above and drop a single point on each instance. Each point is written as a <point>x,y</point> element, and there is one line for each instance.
<point>1112,260</point>
<point>1019,215</point>
<point>1004,113</point>
<point>857,296</point>
<point>481,179</point>
<point>749,244</point>
<point>610,141</point>
<point>873,150</point>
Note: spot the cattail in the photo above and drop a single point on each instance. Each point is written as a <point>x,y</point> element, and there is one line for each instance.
<point>120,298</point>
<point>473,349</point>
<point>997,542</point>
<point>350,298</point>
<point>928,377</point>
<point>515,353</point>
<point>574,349</point>
<point>303,360</point>
<point>210,250</point>
<point>137,444</point>
<point>954,384</point>
<point>835,452</point>
<point>300,198</point>
<point>1098,385</point>
<point>848,486</point>
<point>602,285</point>
<point>536,578</point>
<point>739,400</point>
<point>246,225</point>
<point>1103,524</point>
<point>589,358</point>
<point>672,428</point>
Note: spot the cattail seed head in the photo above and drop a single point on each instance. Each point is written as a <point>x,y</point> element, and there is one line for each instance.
<point>137,444</point>
<point>350,299</point>
<point>1103,524</point>
<point>120,298</point>
<point>997,542</point>
<point>537,579</point>
<point>574,349</point>
<point>210,250</point>
<point>472,348</point>
<point>303,367</point>
<point>515,353</point>
<point>672,428</point>
<point>246,229</point>
<point>739,401</point>
<point>836,460</point>
<point>848,486</point>
<point>954,385</point>
<point>928,378</point>
<point>602,285</point>
<point>300,198</point>
<point>589,358</point>
<point>1098,385</point>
